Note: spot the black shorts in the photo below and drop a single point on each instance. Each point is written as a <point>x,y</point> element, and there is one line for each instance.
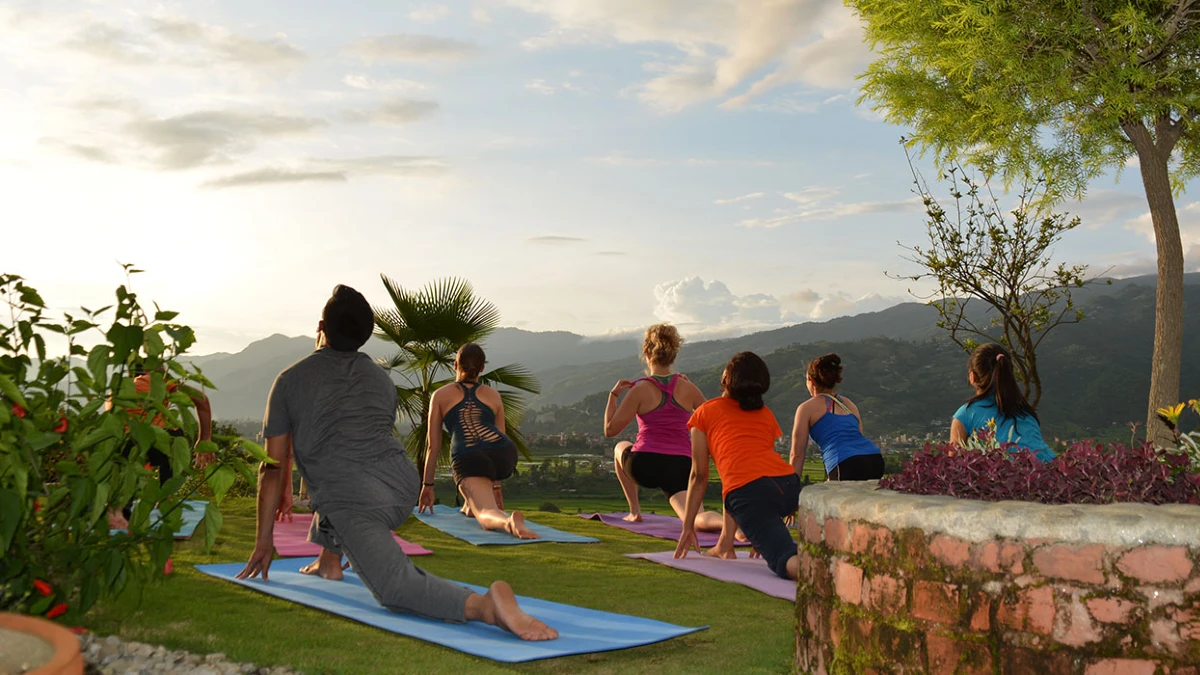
<point>670,473</point>
<point>495,463</point>
<point>858,467</point>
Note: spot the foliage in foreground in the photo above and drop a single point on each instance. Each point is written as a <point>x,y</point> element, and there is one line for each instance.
<point>1085,473</point>
<point>66,460</point>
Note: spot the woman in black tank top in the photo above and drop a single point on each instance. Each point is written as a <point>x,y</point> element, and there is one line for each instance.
<point>481,455</point>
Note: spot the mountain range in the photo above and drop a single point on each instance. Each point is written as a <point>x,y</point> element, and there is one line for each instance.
<point>1095,373</point>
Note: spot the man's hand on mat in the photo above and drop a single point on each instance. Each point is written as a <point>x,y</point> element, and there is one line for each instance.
<point>425,501</point>
<point>260,563</point>
<point>754,553</point>
<point>284,512</point>
<point>687,540</point>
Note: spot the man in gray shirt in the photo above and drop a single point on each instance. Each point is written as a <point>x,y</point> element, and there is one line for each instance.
<point>336,408</point>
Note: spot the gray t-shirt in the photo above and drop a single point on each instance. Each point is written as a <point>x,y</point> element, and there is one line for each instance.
<point>340,408</point>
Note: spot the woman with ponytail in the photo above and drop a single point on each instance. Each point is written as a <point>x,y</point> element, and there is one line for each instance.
<point>759,488</point>
<point>661,456</point>
<point>834,423</point>
<point>998,397</point>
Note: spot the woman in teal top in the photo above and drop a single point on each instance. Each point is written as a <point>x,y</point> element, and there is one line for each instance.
<point>998,397</point>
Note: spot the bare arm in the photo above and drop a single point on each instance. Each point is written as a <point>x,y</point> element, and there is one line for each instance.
<point>697,485</point>
<point>692,396</point>
<point>799,451</point>
<point>958,432</point>
<point>617,417</point>
<point>204,416</point>
<point>270,488</point>
<point>433,438</point>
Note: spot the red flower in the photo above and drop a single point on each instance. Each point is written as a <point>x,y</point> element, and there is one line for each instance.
<point>62,426</point>
<point>42,587</point>
<point>57,610</point>
<point>18,410</point>
<point>148,466</point>
<point>37,506</point>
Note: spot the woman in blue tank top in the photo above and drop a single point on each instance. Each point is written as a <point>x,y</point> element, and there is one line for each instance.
<point>998,399</point>
<point>834,423</point>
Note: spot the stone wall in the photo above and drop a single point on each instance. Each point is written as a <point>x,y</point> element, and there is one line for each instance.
<point>893,583</point>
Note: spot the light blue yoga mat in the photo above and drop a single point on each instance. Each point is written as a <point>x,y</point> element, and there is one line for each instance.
<point>193,515</point>
<point>581,631</point>
<point>449,520</point>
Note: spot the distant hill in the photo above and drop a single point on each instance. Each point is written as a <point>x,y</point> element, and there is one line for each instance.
<point>571,367</point>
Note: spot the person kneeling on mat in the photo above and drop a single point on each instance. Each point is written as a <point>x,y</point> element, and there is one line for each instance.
<point>338,409</point>
<point>481,455</point>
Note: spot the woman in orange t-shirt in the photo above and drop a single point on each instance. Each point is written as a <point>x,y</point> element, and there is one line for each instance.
<point>758,486</point>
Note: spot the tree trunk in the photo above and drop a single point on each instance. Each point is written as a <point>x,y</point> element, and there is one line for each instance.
<point>1168,305</point>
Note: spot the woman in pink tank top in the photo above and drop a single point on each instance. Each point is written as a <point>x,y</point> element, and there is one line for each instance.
<point>662,403</point>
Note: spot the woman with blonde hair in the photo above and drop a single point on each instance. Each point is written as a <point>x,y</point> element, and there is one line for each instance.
<point>662,402</point>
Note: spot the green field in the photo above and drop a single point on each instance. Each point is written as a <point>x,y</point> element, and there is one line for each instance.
<point>748,632</point>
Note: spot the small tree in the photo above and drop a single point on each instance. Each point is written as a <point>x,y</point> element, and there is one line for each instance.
<point>1067,90</point>
<point>428,326</point>
<point>980,255</point>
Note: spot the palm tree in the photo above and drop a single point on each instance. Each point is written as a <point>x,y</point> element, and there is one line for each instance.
<point>428,326</point>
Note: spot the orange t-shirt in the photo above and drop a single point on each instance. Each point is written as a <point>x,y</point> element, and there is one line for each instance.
<point>741,442</point>
<point>141,385</point>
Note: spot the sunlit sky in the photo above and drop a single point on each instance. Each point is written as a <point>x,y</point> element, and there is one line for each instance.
<point>589,166</point>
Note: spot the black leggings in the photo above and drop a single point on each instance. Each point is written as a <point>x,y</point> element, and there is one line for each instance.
<point>859,467</point>
<point>759,508</point>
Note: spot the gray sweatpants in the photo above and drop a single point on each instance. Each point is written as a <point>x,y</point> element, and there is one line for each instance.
<point>365,537</point>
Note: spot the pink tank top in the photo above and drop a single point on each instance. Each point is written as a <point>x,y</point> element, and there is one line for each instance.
<point>664,429</point>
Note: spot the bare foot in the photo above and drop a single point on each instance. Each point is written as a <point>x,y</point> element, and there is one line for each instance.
<point>633,518</point>
<point>740,537</point>
<point>511,618</point>
<point>516,527</point>
<point>466,511</point>
<point>718,552</point>
<point>328,565</point>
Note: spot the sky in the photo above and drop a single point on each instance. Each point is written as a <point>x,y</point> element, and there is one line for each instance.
<point>588,166</point>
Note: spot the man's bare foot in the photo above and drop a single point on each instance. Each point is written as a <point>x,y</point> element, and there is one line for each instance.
<point>516,527</point>
<point>116,520</point>
<point>511,618</point>
<point>719,552</point>
<point>328,565</point>
<point>633,518</point>
<point>740,537</point>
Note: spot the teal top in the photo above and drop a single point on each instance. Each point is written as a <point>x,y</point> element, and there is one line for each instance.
<point>1022,431</point>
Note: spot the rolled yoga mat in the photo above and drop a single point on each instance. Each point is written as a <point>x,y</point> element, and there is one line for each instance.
<point>193,514</point>
<point>581,631</point>
<point>452,522</point>
<point>291,539</point>
<point>751,572</point>
<point>654,525</point>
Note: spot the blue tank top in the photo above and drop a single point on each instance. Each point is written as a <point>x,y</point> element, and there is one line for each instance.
<point>1022,430</point>
<point>472,424</point>
<point>839,436</point>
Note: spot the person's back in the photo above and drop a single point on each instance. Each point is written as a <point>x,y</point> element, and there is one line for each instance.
<point>342,410</point>
<point>1021,430</point>
<point>472,423</point>
<point>741,442</point>
<point>839,434</point>
<point>998,398</point>
<point>664,429</point>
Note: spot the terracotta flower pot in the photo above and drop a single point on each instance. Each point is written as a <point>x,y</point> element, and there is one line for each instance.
<point>55,647</point>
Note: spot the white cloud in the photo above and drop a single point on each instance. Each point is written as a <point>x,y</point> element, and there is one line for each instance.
<point>1103,207</point>
<point>719,45</point>
<point>403,47</point>
<point>395,112</point>
<point>628,160</point>
<point>1189,232</point>
<point>368,83</point>
<point>735,200</point>
<point>815,203</point>
<point>429,13</point>
<point>178,41</point>
<point>211,136</point>
<point>540,86</point>
<point>273,176</point>
<point>481,15</point>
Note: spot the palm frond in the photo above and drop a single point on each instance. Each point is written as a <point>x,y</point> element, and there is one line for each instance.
<point>514,376</point>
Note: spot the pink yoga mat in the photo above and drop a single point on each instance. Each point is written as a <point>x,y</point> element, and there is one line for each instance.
<point>745,571</point>
<point>654,525</point>
<point>291,539</point>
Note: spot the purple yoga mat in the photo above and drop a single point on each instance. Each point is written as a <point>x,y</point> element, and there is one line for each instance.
<point>291,539</point>
<point>654,525</point>
<point>745,571</point>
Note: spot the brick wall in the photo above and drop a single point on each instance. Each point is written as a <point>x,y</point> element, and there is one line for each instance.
<point>871,599</point>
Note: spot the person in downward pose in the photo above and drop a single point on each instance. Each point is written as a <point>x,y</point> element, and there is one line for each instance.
<point>337,408</point>
<point>834,423</point>
<point>998,398</point>
<point>760,489</point>
<point>481,455</point>
<point>662,402</point>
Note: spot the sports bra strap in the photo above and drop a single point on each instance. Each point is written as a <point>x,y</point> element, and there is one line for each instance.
<point>830,400</point>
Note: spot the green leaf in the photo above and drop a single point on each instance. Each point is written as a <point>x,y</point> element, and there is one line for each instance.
<point>10,390</point>
<point>212,525</point>
<point>256,451</point>
<point>89,592</point>
<point>93,437</point>
<point>181,454</point>
<point>220,480</point>
<point>43,440</point>
<point>99,503</point>
<point>11,510</point>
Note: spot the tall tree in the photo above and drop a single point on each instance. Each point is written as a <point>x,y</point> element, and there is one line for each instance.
<point>1068,90</point>
<point>428,325</point>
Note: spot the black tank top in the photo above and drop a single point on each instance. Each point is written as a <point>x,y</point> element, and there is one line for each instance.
<point>472,424</point>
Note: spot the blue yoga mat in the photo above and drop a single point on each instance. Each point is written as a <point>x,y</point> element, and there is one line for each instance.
<point>581,631</point>
<point>193,515</point>
<point>449,520</point>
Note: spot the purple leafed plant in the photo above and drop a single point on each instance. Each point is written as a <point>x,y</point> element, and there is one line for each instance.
<point>1085,473</point>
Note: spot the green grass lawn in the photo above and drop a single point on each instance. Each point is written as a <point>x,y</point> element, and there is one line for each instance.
<point>748,632</point>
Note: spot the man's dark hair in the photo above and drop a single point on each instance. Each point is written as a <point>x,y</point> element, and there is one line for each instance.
<point>348,318</point>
